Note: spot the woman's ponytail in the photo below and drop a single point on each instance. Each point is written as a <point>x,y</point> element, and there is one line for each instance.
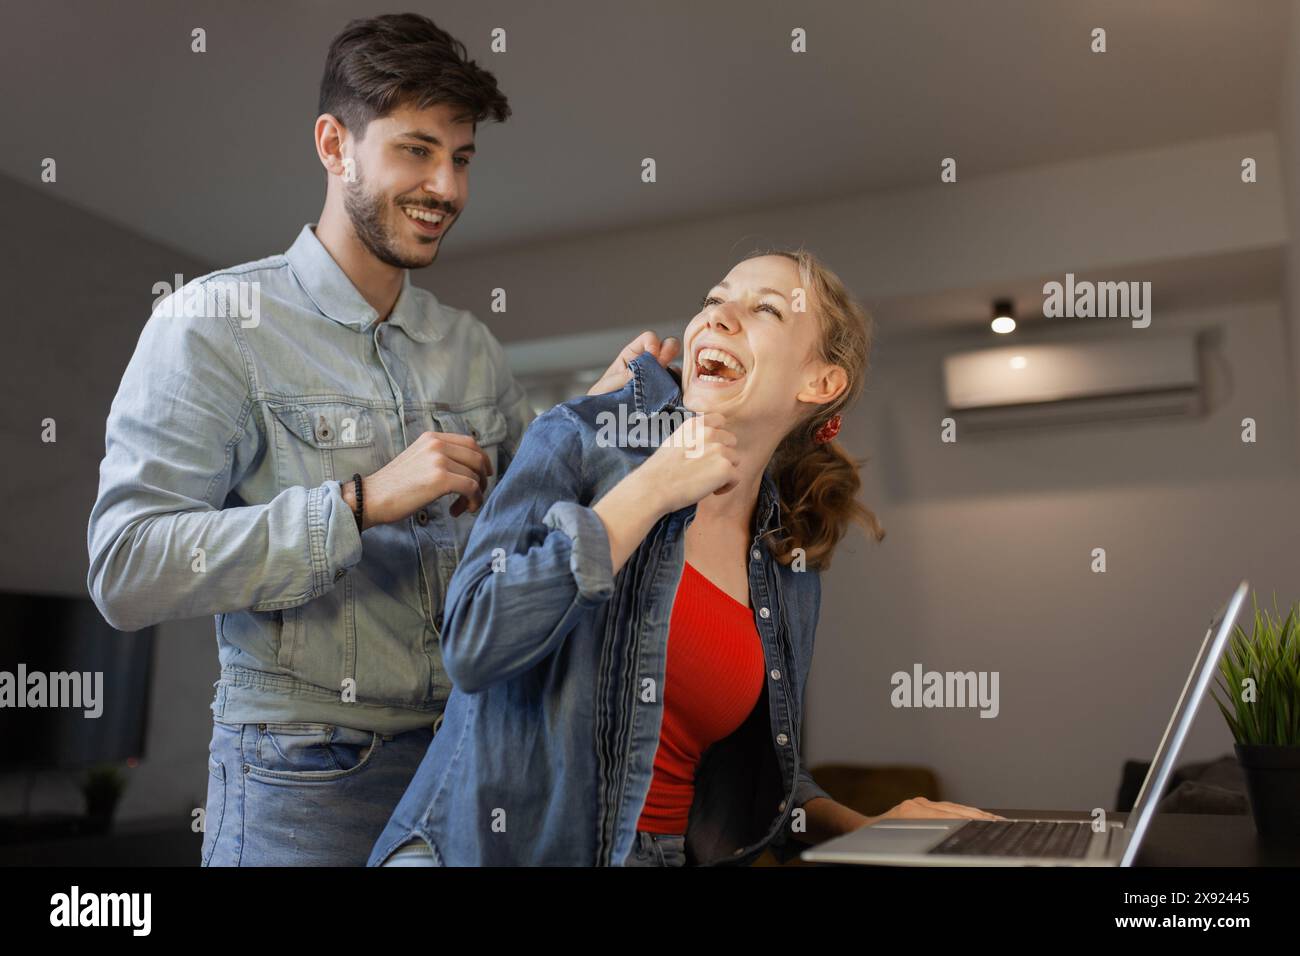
<point>818,484</point>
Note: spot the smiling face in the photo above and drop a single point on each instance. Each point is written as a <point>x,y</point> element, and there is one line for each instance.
<point>412,182</point>
<point>751,356</point>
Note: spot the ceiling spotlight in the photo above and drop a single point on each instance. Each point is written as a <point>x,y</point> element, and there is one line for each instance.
<point>1003,320</point>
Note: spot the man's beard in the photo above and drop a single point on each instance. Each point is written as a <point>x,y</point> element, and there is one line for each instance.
<point>366,213</point>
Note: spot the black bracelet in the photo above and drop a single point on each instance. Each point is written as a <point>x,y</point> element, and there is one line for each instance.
<point>356,490</point>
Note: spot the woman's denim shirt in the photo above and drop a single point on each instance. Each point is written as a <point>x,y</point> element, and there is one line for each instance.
<point>547,746</point>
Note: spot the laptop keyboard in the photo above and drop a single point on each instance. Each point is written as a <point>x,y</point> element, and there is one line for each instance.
<point>1018,838</point>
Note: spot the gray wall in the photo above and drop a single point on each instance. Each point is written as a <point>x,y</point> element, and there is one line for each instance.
<point>78,292</point>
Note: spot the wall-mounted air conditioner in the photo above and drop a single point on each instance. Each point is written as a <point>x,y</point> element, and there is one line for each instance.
<point>1137,376</point>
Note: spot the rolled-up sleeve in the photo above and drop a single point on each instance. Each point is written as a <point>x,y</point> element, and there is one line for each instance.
<point>589,552</point>
<point>536,560</point>
<point>806,788</point>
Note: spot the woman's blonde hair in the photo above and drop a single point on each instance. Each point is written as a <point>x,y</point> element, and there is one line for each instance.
<point>819,482</point>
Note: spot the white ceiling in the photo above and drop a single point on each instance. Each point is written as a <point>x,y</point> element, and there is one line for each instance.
<point>212,153</point>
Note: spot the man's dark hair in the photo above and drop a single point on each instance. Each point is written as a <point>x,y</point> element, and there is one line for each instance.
<point>378,65</point>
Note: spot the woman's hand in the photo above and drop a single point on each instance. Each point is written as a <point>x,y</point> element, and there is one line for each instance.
<point>919,808</point>
<point>827,819</point>
<point>699,459</point>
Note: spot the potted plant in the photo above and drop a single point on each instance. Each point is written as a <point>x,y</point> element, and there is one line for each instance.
<point>102,789</point>
<point>1260,678</point>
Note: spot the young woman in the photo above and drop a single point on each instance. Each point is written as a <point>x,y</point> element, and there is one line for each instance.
<point>631,628</point>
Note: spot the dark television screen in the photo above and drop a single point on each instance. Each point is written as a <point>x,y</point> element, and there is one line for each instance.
<point>84,666</point>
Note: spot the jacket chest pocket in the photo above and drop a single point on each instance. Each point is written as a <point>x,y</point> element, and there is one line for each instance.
<point>485,424</point>
<point>319,441</point>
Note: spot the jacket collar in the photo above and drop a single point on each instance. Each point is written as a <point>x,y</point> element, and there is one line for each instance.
<point>654,389</point>
<point>333,293</point>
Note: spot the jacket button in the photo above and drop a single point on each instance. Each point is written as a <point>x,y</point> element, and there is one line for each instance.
<point>339,573</point>
<point>422,516</point>
<point>780,807</point>
<point>739,851</point>
<point>756,554</point>
<point>764,613</point>
<point>437,621</point>
<point>776,674</point>
<point>782,739</point>
<point>323,430</point>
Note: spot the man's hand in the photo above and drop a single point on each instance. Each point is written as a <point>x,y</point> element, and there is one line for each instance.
<point>434,465</point>
<point>617,375</point>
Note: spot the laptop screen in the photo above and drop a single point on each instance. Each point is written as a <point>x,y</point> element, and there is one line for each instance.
<point>1216,639</point>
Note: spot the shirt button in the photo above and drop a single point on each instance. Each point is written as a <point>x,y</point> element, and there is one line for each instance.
<point>782,739</point>
<point>756,554</point>
<point>339,573</point>
<point>764,613</point>
<point>776,674</point>
<point>422,517</point>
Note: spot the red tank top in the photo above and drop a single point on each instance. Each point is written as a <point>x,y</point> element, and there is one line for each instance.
<point>713,678</point>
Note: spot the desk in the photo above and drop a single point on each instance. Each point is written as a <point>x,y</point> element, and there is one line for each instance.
<point>1189,839</point>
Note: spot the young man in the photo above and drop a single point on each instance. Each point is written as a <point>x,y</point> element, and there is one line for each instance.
<point>307,469</point>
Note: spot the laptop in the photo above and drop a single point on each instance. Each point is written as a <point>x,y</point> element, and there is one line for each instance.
<point>1041,841</point>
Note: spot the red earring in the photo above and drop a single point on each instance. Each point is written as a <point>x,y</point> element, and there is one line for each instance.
<point>828,431</point>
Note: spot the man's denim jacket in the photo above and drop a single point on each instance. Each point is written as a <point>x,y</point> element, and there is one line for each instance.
<point>219,489</point>
<point>548,742</point>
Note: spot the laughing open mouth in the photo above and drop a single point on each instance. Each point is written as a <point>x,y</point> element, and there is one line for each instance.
<point>430,222</point>
<point>717,365</point>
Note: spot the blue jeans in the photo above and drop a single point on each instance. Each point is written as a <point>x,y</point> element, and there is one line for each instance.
<point>657,849</point>
<point>650,849</point>
<point>303,794</point>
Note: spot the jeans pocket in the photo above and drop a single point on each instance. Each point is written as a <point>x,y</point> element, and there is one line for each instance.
<point>309,752</point>
<point>215,810</point>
